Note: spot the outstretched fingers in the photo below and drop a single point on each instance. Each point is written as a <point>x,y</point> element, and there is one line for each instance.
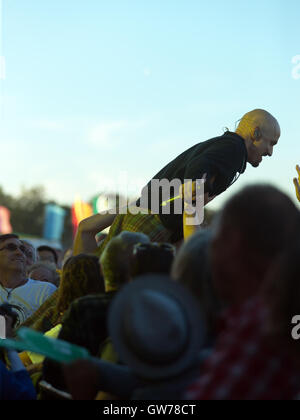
<point>297,183</point>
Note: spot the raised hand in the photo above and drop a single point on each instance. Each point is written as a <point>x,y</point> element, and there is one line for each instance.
<point>190,190</point>
<point>297,183</point>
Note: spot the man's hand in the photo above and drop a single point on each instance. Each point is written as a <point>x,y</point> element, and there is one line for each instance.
<point>190,190</point>
<point>297,183</point>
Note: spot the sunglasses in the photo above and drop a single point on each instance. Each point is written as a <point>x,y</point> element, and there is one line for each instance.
<point>13,248</point>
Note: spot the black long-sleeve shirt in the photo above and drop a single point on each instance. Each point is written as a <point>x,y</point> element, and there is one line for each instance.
<point>222,157</point>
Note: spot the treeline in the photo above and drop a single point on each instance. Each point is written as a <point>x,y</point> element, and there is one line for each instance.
<point>27,213</point>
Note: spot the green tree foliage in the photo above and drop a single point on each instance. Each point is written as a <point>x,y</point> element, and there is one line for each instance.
<point>27,215</point>
<point>28,211</point>
<point>5,199</point>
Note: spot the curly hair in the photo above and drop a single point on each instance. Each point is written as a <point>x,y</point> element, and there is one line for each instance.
<point>81,276</point>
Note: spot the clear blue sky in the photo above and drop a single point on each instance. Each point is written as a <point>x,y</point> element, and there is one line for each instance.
<point>99,90</point>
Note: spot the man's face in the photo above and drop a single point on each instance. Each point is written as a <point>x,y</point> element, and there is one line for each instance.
<point>262,147</point>
<point>12,255</point>
<point>47,256</point>
<point>30,254</point>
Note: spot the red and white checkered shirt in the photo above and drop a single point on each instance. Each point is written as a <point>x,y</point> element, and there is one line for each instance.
<point>242,366</point>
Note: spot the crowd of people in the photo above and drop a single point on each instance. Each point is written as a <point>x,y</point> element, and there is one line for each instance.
<point>168,310</point>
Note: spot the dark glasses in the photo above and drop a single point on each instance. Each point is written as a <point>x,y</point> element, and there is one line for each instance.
<point>13,248</point>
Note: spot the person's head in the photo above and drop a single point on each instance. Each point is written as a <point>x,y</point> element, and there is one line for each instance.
<point>261,132</point>
<point>152,258</point>
<point>12,254</point>
<point>30,252</point>
<point>44,271</point>
<point>116,258</point>
<point>192,268</point>
<point>60,255</point>
<point>253,228</point>
<point>46,253</point>
<point>156,327</point>
<point>281,294</point>
<point>81,276</point>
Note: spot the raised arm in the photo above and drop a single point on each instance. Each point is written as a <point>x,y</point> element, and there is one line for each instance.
<point>85,239</point>
<point>297,183</point>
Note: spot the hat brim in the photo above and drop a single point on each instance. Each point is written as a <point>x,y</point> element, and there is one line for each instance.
<point>195,322</point>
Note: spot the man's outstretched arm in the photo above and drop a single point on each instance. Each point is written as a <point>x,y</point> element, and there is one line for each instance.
<point>85,239</point>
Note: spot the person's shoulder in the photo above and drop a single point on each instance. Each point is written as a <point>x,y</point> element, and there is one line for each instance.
<point>88,306</point>
<point>35,284</point>
<point>235,141</point>
<point>230,147</point>
<point>228,140</point>
<point>91,301</point>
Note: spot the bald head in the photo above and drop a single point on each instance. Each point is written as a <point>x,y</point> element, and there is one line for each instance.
<point>261,119</point>
<point>261,132</point>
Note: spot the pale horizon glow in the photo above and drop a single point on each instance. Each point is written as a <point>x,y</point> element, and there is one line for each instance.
<point>95,92</point>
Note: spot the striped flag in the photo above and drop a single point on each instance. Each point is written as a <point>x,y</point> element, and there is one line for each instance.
<point>80,211</point>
